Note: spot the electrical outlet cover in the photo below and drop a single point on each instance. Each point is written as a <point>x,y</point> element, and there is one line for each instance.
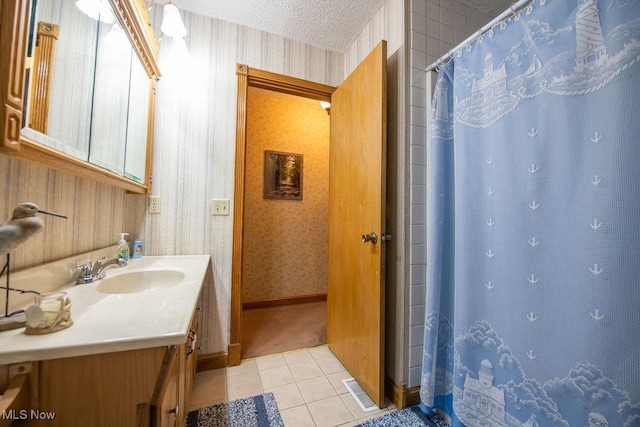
<point>154,205</point>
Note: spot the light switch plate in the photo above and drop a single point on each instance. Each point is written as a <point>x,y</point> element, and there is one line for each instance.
<point>220,207</point>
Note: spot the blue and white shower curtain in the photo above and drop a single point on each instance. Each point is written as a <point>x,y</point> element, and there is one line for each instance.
<point>533,300</point>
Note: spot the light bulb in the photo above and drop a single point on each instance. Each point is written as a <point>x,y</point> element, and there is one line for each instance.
<point>172,23</point>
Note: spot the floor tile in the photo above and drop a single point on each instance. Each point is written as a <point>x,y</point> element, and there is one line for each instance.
<point>271,361</point>
<point>244,395</point>
<point>205,392</point>
<point>307,385</point>
<point>316,388</point>
<point>243,384</point>
<point>355,409</point>
<point>298,416</point>
<point>244,367</point>
<point>330,412</point>
<point>287,396</point>
<point>305,370</point>
<point>209,375</point>
<point>274,377</point>
<point>336,381</point>
<point>298,356</point>
<point>330,365</point>
<point>320,351</point>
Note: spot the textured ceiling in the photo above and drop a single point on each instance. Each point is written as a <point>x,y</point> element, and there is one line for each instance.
<point>329,24</point>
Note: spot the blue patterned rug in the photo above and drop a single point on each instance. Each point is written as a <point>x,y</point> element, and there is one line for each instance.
<point>256,411</point>
<point>407,417</point>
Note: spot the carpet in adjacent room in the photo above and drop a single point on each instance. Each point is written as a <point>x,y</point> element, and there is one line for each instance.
<point>283,328</point>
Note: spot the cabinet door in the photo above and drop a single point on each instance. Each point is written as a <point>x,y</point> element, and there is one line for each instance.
<point>165,408</point>
<point>192,357</point>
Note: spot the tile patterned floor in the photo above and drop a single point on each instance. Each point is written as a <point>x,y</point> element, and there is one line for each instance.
<point>306,383</point>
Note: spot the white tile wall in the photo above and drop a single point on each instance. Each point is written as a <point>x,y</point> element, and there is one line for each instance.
<point>436,26</point>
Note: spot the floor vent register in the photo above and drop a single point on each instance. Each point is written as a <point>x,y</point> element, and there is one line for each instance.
<point>361,396</point>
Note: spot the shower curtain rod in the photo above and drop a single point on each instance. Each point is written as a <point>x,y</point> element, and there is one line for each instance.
<point>510,11</point>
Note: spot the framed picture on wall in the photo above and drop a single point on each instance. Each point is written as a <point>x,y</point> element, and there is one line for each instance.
<point>282,175</point>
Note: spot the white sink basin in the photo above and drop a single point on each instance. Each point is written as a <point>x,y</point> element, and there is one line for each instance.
<point>139,281</point>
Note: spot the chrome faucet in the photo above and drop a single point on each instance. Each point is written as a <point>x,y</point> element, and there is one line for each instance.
<point>95,270</point>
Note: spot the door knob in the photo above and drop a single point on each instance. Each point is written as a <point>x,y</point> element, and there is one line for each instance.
<point>373,238</point>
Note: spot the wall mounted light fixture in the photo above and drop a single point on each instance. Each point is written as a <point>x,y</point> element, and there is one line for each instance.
<point>172,24</point>
<point>327,106</point>
<point>100,10</point>
<point>117,39</point>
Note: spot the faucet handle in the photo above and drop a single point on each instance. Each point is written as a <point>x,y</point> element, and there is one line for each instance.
<point>84,269</point>
<point>95,265</point>
<point>84,275</point>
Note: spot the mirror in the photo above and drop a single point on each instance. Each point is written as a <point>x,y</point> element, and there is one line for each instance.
<point>70,69</point>
<point>88,91</point>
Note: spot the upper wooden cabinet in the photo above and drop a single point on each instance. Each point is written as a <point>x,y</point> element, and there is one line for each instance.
<point>78,92</point>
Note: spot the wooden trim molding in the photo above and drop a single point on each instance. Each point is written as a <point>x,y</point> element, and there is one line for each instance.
<point>13,45</point>
<point>14,27</point>
<point>42,74</point>
<point>134,18</point>
<point>209,362</point>
<point>400,395</point>
<point>276,302</point>
<point>412,396</point>
<point>248,76</point>
<point>235,356</point>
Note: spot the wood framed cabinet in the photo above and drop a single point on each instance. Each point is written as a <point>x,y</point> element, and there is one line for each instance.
<point>167,405</point>
<point>171,397</point>
<point>143,387</point>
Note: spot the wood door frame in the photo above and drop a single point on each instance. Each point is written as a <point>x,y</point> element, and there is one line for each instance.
<point>253,77</point>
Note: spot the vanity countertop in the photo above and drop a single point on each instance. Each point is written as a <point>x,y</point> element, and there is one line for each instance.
<point>105,323</point>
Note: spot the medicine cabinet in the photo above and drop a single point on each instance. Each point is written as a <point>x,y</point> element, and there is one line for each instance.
<point>78,87</point>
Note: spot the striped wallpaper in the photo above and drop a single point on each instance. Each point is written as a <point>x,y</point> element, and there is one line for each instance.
<point>194,151</point>
<point>194,155</point>
<point>96,211</point>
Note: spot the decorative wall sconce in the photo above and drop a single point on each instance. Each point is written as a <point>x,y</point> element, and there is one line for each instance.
<point>327,106</point>
<point>174,55</point>
<point>100,10</point>
<point>172,24</point>
<point>117,39</point>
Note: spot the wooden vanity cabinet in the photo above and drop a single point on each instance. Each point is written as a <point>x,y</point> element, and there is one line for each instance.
<point>145,387</point>
<point>191,358</point>
<point>172,395</point>
<point>166,404</point>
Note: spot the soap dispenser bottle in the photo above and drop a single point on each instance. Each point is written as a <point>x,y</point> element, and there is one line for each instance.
<point>122,251</point>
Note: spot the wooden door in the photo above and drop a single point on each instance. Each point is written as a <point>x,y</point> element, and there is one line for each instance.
<point>355,294</point>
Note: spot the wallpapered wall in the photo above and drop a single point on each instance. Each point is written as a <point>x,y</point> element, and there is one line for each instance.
<point>285,246</point>
<point>95,211</point>
<point>194,151</point>
<point>194,162</point>
<point>194,158</point>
